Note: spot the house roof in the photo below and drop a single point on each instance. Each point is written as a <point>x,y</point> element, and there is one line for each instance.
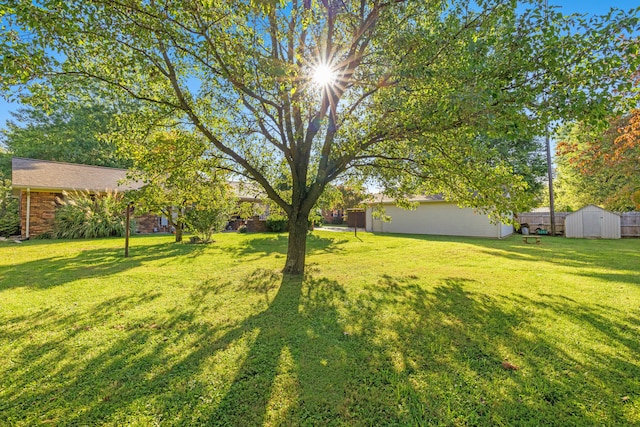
<point>543,209</point>
<point>48,175</point>
<point>247,191</point>
<point>381,198</point>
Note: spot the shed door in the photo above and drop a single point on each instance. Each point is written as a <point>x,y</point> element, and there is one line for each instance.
<point>376,225</point>
<point>592,224</point>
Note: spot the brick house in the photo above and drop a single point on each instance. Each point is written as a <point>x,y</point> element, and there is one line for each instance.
<point>247,192</point>
<point>333,216</point>
<point>38,183</point>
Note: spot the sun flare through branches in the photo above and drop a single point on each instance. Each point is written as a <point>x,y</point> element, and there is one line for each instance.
<point>324,76</point>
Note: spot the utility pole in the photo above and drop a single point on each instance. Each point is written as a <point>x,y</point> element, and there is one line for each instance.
<point>552,212</point>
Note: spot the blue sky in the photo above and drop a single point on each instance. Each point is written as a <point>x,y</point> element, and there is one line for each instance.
<point>567,6</point>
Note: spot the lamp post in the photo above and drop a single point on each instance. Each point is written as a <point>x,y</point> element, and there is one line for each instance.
<point>127,230</point>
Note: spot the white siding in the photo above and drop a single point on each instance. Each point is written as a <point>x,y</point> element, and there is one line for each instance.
<point>580,224</point>
<point>506,230</point>
<point>440,219</point>
<point>573,225</point>
<point>611,226</point>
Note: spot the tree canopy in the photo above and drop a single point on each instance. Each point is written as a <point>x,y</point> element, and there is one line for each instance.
<point>600,167</point>
<point>178,177</point>
<point>407,93</point>
<point>66,132</point>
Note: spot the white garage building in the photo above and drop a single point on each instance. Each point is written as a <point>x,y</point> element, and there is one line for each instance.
<point>434,215</point>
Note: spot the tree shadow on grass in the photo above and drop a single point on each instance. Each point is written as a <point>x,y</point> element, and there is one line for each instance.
<point>147,362</point>
<point>588,259</point>
<point>617,254</point>
<point>54,271</point>
<point>460,339</point>
<point>621,256</point>
<point>276,244</point>
<point>399,352</point>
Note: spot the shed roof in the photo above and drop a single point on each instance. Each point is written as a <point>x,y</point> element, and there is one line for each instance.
<point>382,198</point>
<point>48,175</point>
<point>591,206</point>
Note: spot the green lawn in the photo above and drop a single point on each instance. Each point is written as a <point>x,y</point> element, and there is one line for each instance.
<point>383,330</point>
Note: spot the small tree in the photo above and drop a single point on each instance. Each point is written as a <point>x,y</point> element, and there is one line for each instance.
<point>212,212</point>
<point>599,167</point>
<point>177,175</point>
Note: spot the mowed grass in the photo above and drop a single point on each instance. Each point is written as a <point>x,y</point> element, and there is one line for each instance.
<point>383,330</point>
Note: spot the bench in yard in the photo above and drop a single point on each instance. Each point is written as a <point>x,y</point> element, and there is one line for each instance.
<point>531,239</point>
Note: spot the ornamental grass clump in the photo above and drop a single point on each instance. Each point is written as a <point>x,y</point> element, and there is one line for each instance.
<point>81,215</point>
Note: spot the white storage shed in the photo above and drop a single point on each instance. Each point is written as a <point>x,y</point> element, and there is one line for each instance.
<point>436,216</point>
<point>592,222</point>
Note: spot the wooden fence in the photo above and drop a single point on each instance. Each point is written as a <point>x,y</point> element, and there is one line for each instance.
<point>629,222</point>
<point>543,220</point>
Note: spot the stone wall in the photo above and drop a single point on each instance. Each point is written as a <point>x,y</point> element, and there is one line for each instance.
<point>42,212</point>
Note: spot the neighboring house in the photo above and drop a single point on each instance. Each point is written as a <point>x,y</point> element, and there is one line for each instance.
<point>593,222</point>
<point>434,215</point>
<point>332,216</point>
<point>39,183</point>
<point>248,192</point>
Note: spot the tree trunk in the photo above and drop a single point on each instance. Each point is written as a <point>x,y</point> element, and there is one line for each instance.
<point>296,252</point>
<point>178,227</point>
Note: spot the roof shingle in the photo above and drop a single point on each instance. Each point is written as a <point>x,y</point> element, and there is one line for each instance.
<point>49,175</point>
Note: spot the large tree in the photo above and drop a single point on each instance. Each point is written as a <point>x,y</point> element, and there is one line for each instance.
<point>409,93</point>
<point>73,132</point>
<point>600,167</point>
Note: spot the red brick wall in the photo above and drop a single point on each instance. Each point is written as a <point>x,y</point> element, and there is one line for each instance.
<point>42,212</point>
<point>150,223</point>
<point>333,216</point>
<point>256,225</point>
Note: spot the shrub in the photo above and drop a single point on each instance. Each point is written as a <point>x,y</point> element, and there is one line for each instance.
<point>9,217</point>
<point>211,213</point>
<point>206,221</point>
<point>336,220</point>
<point>242,229</point>
<point>277,224</point>
<point>82,216</point>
